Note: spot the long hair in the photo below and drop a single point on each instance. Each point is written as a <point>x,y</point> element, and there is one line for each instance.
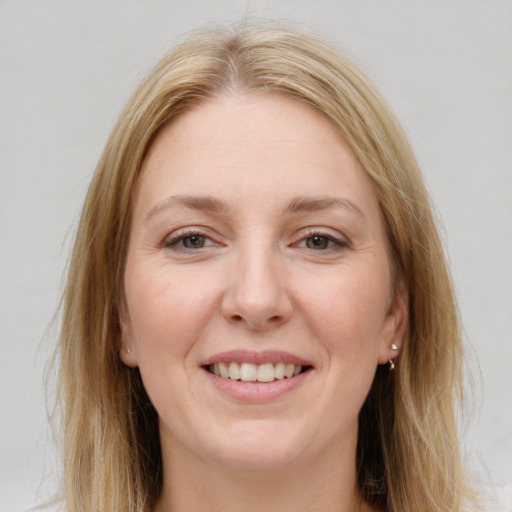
<point>407,456</point>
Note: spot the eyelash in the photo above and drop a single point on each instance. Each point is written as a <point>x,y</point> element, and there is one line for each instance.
<point>333,243</point>
<point>173,241</point>
<point>337,242</point>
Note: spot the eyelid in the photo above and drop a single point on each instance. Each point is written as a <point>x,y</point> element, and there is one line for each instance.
<point>171,240</point>
<point>341,241</point>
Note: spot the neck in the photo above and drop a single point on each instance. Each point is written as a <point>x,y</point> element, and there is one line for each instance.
<point>327,484</point>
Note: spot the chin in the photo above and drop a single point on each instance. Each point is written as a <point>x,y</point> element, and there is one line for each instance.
<point>259,446</point>
<point>252,460</point>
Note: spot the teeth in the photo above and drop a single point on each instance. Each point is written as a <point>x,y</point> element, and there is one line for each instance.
<point>234,371</point>
<point>248,372</point>
<point>224,370</point>
<point>288,370</point>
<point>266,373</point>
<point>279,370</point>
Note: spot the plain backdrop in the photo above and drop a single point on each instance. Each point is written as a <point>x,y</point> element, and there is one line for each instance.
<point>67,68</point>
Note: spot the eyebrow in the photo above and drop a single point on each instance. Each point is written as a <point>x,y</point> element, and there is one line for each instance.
<point>215,205</point>
<point>200,203</point>
<point>314,204</point>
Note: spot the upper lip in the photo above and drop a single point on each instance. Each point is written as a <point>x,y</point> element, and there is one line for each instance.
<point>258,358</point>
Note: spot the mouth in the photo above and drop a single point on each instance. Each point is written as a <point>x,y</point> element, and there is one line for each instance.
<point>257,377</point>
<point>250,372</point>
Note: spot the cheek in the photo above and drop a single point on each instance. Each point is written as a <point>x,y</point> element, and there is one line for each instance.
<point>347,311</point>
<point>167,317</point>
<point>166,313</point>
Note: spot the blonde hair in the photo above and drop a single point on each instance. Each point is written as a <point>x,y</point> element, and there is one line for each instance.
<point>408,456</point>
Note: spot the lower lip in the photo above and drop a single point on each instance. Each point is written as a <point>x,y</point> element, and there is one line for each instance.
<point>257,391</point>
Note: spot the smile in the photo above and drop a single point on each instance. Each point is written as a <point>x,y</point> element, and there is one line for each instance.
<point>250,372</point>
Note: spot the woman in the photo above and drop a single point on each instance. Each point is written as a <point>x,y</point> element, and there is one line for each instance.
<point>258,313</point>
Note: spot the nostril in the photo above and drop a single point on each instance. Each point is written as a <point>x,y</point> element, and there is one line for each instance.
<point>273,320</point>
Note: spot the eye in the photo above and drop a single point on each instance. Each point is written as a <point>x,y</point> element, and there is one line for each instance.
<point>188,241</point>
<point>193,241</point>
<point>321,241</point>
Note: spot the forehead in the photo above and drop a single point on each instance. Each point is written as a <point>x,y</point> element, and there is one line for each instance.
<point>236,146</point>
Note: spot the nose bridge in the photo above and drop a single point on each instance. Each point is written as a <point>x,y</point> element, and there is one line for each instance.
<point>257,295</point>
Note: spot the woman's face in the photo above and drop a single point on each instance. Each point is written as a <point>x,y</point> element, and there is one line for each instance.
<point>257,249</point>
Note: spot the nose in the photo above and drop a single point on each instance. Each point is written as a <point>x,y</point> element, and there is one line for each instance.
<point>257,297</point>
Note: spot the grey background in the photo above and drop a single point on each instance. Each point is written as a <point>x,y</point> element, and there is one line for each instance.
<point>67,68</point>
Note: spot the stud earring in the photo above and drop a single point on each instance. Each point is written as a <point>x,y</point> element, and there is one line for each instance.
<point>394,347</point>
<point>128,350</point>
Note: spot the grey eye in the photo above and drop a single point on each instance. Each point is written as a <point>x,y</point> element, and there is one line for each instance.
<point>318,242</point>
<point>193,241</point>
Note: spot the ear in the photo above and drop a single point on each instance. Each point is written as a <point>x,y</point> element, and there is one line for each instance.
<point>128,350</point>
<point>395,322</point>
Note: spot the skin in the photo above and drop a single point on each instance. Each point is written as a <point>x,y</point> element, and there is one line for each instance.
<point>255,281</point>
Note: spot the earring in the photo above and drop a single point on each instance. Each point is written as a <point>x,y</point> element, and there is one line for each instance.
<point>128,350</point>
<point>391,362</point>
